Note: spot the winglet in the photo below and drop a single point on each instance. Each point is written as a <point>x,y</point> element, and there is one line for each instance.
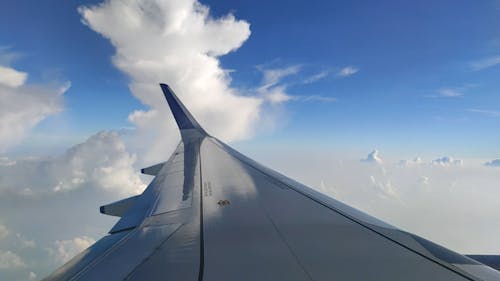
<point>182,116</point>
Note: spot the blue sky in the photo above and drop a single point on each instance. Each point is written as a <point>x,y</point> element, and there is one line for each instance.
<point>405,52</point>
<point>308,88</point>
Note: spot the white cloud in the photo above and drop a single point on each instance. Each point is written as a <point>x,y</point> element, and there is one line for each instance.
<point>489,113</point>
<point>316,77</point>
<point>448,93</point>
<point>347,71</point>
<point>102,162</point>
<point>68,189</point>
<point>423,180</point>
<point>317,98</point>
<point>64,250</point>
<point>415,161</point>
<point>493,163</point>
<point>485,63</point>
<point>176,42</point>
<point>23,106</point>
<point>272,89</point>
<point>446,161</point>
<point>372,157</point>
<point>452,92</point>
<point>441,161</point>
<point>3,231</point>
<point>384,188</point>
<point>273,76</point>
<point>11,77</point>
<point>276,95</point>
<point>10,260</point>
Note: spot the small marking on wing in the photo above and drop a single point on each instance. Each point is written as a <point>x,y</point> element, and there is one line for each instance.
<point>223,203</point>
<point>207,189</point>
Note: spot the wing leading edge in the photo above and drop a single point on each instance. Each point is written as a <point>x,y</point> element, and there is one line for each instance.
<point>211,213</point>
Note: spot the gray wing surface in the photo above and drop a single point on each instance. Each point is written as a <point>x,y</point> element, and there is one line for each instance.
<point>211,213</point>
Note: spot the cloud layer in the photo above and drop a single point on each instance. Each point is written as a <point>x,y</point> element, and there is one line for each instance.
<point>102,162</point>
<point>423,198</point>
<point>64,250</point>
<point>56,202</point>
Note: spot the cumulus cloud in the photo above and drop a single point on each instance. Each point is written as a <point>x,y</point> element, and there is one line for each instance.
<point>179,43</point>
<point>485,63</point>
<point>74,184</point>
<point>441,161</point>
<point>102,162</point>
<point>446,161</point>
<point>347,71</point>
<point>415,161</point>
<point>64,250</point>
<point>11,77</point>
<point>23,106</point>
<point>372,157</point>
<point>493,163</point>
<point>384,188</point>
<point>10,260</point>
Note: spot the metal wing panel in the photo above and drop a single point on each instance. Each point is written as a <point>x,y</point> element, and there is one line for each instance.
<point>163,222</point>
<point>70,270</point>
<point>240,242</point>
<point>322,241</point>
<point>144,204</point>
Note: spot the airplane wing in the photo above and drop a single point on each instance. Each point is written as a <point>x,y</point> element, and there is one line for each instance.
<point>211,213</point>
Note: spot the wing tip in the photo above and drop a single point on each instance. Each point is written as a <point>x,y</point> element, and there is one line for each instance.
<point>182,116</point>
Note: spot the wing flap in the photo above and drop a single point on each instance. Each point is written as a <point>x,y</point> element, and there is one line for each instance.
<point>118,208</point>
<point>153,170</point>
